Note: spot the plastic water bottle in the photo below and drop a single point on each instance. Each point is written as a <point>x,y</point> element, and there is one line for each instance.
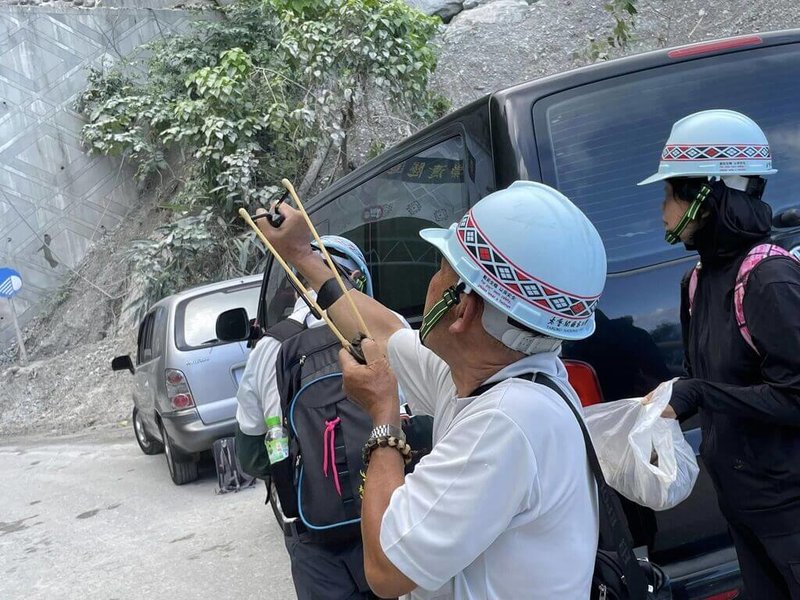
<point>277,440</point>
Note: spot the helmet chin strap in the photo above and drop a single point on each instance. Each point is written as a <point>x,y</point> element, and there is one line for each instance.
<point>450,298</point>
<point>494,322</point>
<point>673,236</point>
<point>360,283</point>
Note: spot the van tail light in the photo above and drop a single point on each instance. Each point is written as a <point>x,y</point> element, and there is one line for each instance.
<point>583,380</point>
<point>729,595</point>
<point>178,392</point>
<point>715,46</point>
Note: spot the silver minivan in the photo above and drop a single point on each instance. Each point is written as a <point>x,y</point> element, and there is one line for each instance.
<point>184,395</point>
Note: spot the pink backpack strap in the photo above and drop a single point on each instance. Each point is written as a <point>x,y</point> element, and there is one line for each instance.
<point>693,285</point>
<point>753,258</point>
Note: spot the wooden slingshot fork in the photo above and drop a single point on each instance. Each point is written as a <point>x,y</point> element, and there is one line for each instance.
<point>353,347</point>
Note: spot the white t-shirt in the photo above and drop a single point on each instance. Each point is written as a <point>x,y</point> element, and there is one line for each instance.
<point>504,507</point>
<point>258,396</point>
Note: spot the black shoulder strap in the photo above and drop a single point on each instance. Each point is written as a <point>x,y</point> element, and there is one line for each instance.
<point>614,526</point>
<point>285,329</point>
<point>302,357</point>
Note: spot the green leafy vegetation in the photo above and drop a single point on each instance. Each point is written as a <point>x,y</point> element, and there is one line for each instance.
<point>267,89</point>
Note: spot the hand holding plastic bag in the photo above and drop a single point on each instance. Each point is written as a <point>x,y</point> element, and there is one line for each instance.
<point>644,456</point>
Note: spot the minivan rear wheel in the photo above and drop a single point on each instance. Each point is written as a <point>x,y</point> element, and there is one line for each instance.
<point>149,445</point>
<point>182,468</point>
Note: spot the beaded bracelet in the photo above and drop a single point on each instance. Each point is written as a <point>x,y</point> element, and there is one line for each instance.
<point>386,441</point>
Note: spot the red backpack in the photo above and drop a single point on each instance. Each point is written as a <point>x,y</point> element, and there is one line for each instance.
<point>753,258</point>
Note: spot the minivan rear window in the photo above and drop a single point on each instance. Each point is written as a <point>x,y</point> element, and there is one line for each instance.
<point>196,318</point>
<point>602,138</point>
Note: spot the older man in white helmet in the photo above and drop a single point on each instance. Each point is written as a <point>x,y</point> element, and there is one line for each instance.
<point>504,506</point>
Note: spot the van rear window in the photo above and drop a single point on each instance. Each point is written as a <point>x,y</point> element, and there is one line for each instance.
<point>601,139</point>
<point>196,318</point>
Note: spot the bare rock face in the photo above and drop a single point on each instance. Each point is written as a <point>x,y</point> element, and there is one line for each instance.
<point>502,13</point>
<point>446,9</point>
<point>494,44</point>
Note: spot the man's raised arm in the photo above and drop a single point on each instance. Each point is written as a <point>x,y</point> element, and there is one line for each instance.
<point>292,240</point>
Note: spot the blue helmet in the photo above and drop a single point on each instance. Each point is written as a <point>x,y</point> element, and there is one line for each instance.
<point>348,256</point>
<point>533,256</point>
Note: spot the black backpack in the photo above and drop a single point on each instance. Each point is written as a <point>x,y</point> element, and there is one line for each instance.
<point>319,482</point>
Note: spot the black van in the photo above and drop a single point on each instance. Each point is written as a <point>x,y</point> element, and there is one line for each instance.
<point>592,133</point>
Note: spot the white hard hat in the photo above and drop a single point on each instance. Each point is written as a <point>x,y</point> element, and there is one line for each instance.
<point>348,256</point>
<point>714,143</point>
<point>531,254</point>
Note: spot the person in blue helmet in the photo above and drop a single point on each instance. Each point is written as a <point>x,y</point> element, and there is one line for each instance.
<point>320,569</point>
<point>505,504</point>
<point>741,335</point>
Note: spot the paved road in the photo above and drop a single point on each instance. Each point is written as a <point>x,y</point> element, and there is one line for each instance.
<point>92,517</point>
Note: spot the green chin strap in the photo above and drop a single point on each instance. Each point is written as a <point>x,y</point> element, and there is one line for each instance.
<point>450,298</point>
<point>673,236</point>
<point>360,283</point>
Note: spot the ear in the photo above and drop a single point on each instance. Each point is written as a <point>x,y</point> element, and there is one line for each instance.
<point>469,311</point>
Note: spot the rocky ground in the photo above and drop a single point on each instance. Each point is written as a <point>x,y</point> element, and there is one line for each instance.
<point>68,384</point>
<point>488,44</point>
<point>72,391</point>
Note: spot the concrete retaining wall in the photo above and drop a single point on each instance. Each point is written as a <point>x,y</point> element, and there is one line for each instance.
<point>55,200</point>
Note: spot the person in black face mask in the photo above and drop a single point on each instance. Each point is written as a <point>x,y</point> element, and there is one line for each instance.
<point>740,314</point>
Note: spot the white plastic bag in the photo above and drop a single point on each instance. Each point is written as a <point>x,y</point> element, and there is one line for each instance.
<point>628,435</point>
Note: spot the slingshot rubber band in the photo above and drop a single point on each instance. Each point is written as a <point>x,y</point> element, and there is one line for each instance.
<point>361,323</point>
<point>306,294</point>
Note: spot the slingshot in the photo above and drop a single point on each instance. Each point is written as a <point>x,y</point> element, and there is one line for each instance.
<point>275,219</point>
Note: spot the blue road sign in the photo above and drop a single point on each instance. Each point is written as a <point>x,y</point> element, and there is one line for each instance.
<point>10,282</point>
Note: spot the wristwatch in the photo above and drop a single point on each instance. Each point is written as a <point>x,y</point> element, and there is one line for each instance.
<point>388,431</point>
<point>386,436</point>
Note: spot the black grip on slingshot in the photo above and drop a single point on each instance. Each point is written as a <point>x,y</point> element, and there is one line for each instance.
<point>275,219</point>
<point>355,349</point>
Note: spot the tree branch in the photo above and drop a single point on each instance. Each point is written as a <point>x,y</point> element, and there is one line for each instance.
<point>314,168</point>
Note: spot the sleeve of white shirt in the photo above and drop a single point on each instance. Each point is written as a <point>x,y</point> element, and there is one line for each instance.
<point>423,376</point>
<point>460,498</point>
<point>257,396</point>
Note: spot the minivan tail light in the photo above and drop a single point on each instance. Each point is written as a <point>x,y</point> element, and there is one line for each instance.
<point>175,377</point>
<point>178,392</point>
<point>715,46</point>
<point>583,379</point>
<point>182,401</point>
